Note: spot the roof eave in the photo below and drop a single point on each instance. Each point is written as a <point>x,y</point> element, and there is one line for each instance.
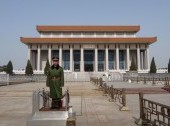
<point>46,28</point>
<point>148,40</point>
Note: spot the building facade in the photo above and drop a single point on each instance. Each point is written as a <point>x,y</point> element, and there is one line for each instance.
<point>89,48</point>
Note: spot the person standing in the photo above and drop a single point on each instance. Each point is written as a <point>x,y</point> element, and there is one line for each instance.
<point>55,81</point>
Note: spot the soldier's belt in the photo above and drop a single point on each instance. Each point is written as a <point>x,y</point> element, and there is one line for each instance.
<point>55,78</point>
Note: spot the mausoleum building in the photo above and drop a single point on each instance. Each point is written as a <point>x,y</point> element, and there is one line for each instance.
<point>89,48</point>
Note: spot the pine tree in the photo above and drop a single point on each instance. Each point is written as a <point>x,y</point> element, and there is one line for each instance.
<point>133,66</point>
<point>153,66</point>
<point>47,66</point>
<point>28,69</point>
<point>1,68</point>
<point>9,69</point>
<point>169,66</point>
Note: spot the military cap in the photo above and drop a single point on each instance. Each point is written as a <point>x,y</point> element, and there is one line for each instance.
<point>55,58</point>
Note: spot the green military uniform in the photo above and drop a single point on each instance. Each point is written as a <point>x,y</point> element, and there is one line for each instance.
<point>55,81</point>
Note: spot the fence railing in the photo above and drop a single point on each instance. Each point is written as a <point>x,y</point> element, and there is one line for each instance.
<point>41,99</point>
<point>153,113</point>
<point>6,79</point>
<point>116,95</point>
<point>153,80</point>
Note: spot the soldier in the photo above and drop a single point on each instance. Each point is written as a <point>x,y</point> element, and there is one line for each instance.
<point>55,81</point>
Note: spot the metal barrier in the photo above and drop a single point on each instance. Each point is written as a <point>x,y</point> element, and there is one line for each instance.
<point>153,80</point>
<point>4,79</point>
<point>118,95</point>
<point>114,94</point>
<point>41,99</point>
<point>153,113</point>
<point>97,81</point>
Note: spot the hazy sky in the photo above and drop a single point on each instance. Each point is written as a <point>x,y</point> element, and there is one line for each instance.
<point>20,17</point>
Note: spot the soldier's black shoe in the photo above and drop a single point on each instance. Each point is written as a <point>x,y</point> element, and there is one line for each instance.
<point>53,108</point>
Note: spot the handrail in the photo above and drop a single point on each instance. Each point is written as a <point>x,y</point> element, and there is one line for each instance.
<point>153,113</point>
<point>166,80</point>
<point>113,93</point>
<point>41,99</point>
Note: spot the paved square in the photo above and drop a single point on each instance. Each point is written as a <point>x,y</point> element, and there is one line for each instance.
<point>92,108</point>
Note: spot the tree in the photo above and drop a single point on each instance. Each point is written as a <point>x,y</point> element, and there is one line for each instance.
<point>47,66</point>
<point>133,66</point>
<point>169,66</point>
<point>153,66</point>
<point>9,68</point>
<point>28,69</point>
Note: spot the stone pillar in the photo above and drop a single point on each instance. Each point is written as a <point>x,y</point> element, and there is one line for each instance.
<point>49,54</point>
<point>127,58</point>
<point>142,60</point>
<point>117,57</point>
<point>60,55</point>
<point>82,60</point>
<point>71,58</point>
<point>147,55</point>
<point>96,59</point>
<point>107,57</point>
<point>29,53</point>
<point>38,58</point>
<point>33,60</point>
<point>138,57</point>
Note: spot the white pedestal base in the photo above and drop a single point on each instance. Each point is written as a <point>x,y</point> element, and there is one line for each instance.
<point>48,118</point>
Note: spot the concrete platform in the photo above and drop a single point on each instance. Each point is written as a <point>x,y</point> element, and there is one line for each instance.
<point>48,118</point>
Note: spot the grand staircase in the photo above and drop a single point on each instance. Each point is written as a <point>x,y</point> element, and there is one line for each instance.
<point>85,76</point>
<point>77,76</point>
<point>116,76</point>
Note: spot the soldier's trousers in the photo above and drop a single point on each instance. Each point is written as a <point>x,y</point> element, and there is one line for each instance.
<point>56,103</point>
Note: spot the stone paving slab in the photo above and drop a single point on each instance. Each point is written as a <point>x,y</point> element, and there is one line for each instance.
<point>96,110</point>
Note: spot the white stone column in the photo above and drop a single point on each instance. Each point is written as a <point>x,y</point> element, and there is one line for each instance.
<point>29,53</point>
<point>49,54</point>
<point>107,58</point>
<point>38,58</point>
<point>33,60</point>
<point>82,60</point>
<point>117,57</point>
<point>60,55</point>
<point>71,58</point>
<point>138,57</point>
<point>96,59</point>
<point>144,60</point>
<point>147,55</point>
<point>141,60</point>
<point>127,58</point>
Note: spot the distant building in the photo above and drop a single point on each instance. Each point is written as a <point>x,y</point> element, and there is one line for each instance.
<point>89,48</point>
